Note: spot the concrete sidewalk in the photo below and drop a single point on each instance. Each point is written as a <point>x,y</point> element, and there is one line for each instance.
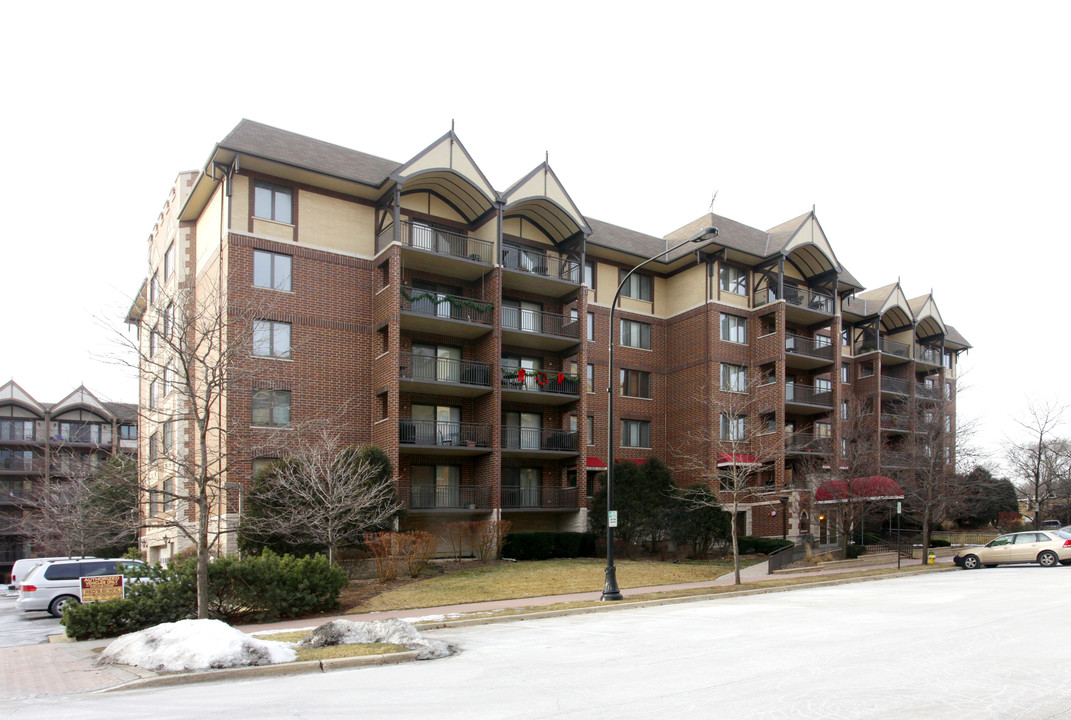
<point>65,668</point>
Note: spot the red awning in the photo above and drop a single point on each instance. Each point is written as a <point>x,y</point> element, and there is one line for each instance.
<point>595,463</point>
<point>726,459</point>
<point>874,487</point>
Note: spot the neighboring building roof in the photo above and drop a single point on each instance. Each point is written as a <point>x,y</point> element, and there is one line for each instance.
<point>11,392</point>
<point>300,151</point>
<point>953,338</point>
<point>616,237</point>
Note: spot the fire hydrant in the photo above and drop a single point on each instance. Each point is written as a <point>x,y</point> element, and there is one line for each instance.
<point>930,558</point>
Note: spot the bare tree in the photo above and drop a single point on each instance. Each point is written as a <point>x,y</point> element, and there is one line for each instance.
<point>735,437</point>
<point>324,493</point>
<point>1031,459</point>
<point>82,507</point>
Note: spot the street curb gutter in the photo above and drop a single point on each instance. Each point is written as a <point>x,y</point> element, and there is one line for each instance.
<point>258,671</point>
<point>611,606</point>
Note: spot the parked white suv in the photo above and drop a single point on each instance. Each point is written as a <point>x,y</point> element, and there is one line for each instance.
<point>51,585</point>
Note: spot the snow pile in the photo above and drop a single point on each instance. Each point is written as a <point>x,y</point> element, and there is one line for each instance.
<point>194,645</point>
<point>392,630</point>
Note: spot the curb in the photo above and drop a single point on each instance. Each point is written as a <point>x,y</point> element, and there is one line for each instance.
<point>256,671</point>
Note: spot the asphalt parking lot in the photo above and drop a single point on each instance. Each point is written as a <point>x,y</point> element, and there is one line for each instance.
<point>23,628</point>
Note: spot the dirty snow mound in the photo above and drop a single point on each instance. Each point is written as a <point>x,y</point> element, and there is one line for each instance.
<point>393,630</point>
<point>194,645</point>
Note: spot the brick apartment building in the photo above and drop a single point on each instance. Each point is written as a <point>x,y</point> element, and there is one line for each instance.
<point>47,442</point>
<point>463,329</point>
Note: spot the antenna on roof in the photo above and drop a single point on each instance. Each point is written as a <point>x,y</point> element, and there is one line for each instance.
<point>451,126</point>
<point>712,199</point>
<point>546,157</point>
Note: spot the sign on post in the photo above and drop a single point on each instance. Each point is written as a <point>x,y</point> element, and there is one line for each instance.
<point>898,507</point>
<point>102,587</point>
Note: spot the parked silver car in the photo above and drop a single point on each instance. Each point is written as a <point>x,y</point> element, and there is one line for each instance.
<point>1048,549</point>
<point>51,585</point>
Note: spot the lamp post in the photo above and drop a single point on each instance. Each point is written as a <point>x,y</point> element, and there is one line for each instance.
<point>611,591</point>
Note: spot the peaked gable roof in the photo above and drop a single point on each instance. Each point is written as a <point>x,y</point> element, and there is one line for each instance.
<point>446,168</point>
<point>540,197</point>
<point>11,392</point>
<point>81,397</point>
<point>927,316</point>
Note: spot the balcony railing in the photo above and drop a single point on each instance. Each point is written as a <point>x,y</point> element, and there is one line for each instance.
<point>540,381</point>
<point>545,323</point>
<point>446,497</point>
<point>522,438</point>
<point>437,369</point>
<point>895,385</point>
<point>444,433</point>
<point>893,458</point>
<point>807,395</point>
<point>538,263</point>
<point>21,464</point>
<point>19,430</point>
<point>538,497</point>
<point>806,443</point>
<point>447,307</point>
<point>813,347</point>
<point>442,242</point>
<point>895,422</point>
<point>927,354</point>
<point>799,297</point>
<point>932,392</point>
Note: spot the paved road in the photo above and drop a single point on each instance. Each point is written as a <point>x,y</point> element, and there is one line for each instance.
<point>19,628</point>
<point>948,645</point>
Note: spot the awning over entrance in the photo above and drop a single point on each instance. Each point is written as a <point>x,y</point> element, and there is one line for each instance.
<point>595,463</point>
<point>873,487</point>
<point>726,459</point>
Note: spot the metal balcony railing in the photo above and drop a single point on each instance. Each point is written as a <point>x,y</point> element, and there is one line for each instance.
<point>930,392</point>
<point>18,430</point>
<point>447,307</point>
<point>522,438</point>
<point>895,385</point>
<point>426,497</point>
<point>806,443</point>
<point>444,433</point>
<point>797,296</point>
<point>895,422</point>
<point>808,395</point>
<point>813,347</point>
<point>545,323</point>
<point>893,458</point>
<point>437,369</point>
<point>540,381</point>
<point>539,263</point>
<point>538,497</point>
<point>21,464</point>
<point>928,354</point>
<point>441,242</point>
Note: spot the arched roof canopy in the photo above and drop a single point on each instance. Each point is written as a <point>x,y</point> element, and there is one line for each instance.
<point>445,169</point>
<point>811,260</point>
<point>82,399</point>
<point>540,198</point>
<point>928,318</point>
<point>12,394</point>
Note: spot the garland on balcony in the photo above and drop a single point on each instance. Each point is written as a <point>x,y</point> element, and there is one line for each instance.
<point>457,302</point>
<point>541,376</point>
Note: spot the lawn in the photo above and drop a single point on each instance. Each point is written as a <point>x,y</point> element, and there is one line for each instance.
<point>534,579</point>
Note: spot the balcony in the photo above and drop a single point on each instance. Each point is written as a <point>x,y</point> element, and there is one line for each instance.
<point>537,442</point>
<point>895,386</point>
<point>449,497</point>
<point>21,431</point>
<point>802,304</point>
<point>806,444</point>
<point>545,330</point>
<point>536,272</point>
<point>894,352</point>
<point>896,459</point>
<point>440,251</point>
<point>539,386</point>
<point>454,315</point>
<point>928,355</point>
<point>895,423</point>
<point>424,437</point>
<point>538,498</point>
<point>16,464</point>
<point>928,392</point>
<point>443,376</point>
<point>808,400</point>
<point>807,353</point>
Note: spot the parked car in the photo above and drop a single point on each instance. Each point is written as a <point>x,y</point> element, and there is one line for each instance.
<point>1052,524</point>
<point>23,566</point>
<point>51,585</point>
<point>1047,549</point>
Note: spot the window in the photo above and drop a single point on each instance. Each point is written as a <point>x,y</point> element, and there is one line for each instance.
<point>522,487</point>
<point>154,393</point>
<point>637,287</point>
<point>435,425</point>
<point>128,432</point>
<point>591,326</point>
<point>822,385</point>
<point>271,202</point>
<point>823,430</point>
<point>845,337</point>
<point>845,374</point>
<point>16,430</point>
<point>769,423</point>
<point>271,270</point>
<point>572,423</point>
<point>169,494</point>
<point>154,504</point>
<point>437,486</point>
<point>821,341</point>
<point>154,287</point>
<point>948,391</point>
<point>169,320</point>
<point>169,262</point>
<point>948,423</point>
<point>589,274</point>
<point>262,464</point>
<point>768,324</point>
<point>522,315</point>
<point>635,383</point>
<point>168,437</point>
<point>732,279</point>
<point>154,447</point>
<point>443,363</point>
<point>169,379</point>
<point>591,377</point>
<point>154,341</point>
<point>733,378</point>
<point>271,339</point>
<point>733,328</point>
<point>591,429</point>
<point>769,373</point>
<point>271,408</point>
<point>844,409</point>
<point>866,369</point>
<point>733,427</point>
<point>635,334</point>
<point>635,433</point>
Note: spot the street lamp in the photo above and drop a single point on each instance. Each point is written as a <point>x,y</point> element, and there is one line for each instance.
<point>610,590</point>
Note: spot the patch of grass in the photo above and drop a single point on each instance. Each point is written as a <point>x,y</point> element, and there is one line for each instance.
<point>338,651</point>
<point>538,578</point>
<point>296,636</point>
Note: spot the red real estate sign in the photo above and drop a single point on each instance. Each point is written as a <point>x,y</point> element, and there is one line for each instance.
<point>102,587</point>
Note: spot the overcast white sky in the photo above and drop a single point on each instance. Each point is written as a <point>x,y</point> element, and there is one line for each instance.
<point>932,137</point>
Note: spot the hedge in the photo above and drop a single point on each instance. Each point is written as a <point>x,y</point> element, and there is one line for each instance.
<point>750,545</point>
<point>547,545</point>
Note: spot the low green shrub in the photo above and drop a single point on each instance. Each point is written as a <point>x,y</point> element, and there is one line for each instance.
<point>547,545</point>
<point>750,545</point>
<point>854,551</point>
<point>938,542</point>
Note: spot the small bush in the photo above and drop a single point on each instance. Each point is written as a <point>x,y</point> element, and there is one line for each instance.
<point>937,542</point>
<point>749,545</point>
<point>547,545</point>
<point>854,551</point>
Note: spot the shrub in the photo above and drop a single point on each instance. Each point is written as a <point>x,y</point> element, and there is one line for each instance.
<point>749,545</point>
<point>489,538</point>
<point>938,542</point>
<point>547,545</point>
<point>854,551</point>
